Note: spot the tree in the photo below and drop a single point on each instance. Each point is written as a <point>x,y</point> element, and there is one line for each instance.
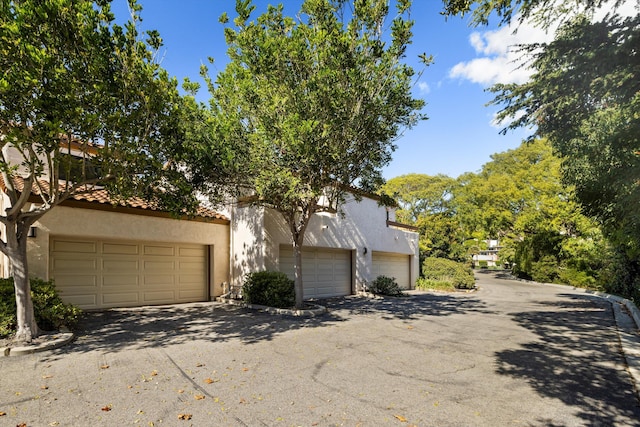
<point>419,194</point>
<point>584,97</point>
<point>317,103</point>
<point>426,202</point>
<point>73,81</point>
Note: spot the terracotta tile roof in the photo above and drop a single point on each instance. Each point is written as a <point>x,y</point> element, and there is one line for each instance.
<point>101,197</point>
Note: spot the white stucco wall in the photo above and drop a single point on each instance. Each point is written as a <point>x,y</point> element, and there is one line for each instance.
<point>87,223</point>
<point>363,225</point>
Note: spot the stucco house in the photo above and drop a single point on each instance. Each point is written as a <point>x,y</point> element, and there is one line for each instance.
<point>103,255</point>
<point>341,252</point>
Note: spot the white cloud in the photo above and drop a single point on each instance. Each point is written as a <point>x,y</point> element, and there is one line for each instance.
<point>424,88</point>
<point>498,59</point>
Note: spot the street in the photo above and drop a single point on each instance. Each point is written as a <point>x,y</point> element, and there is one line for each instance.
<point>511,353</point>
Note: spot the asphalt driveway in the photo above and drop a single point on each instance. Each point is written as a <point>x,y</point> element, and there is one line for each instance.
<point>509,354</point>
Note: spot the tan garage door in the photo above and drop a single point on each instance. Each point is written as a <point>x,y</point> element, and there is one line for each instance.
<point>104,274</point>
<point>392,265</point>
<point>325,272</point>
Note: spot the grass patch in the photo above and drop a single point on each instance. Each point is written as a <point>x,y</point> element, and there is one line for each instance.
<point>434,285</point>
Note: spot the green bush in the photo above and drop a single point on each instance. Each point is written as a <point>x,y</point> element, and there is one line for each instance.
<point>483,264</point>
<point>579,279</point>
<point>50,311</point>
<point>384,285</point>
<point>545,270</point>
<point>445,270</point>
<point>271,288</point>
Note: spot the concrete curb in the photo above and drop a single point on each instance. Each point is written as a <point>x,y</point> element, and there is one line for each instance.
<point>317,310</point>
<point>55,341</point>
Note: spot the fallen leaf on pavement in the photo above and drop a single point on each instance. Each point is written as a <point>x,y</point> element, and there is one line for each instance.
<point>43,387</point>
<point>184,416</point>
<point>106,408</point>
<point>209,381</point>
<point>104,367</point>
<point>47,376</point>
<point>198,396</point>
<point>180,391</point>
<point>2,414</point>
<point>199,365</point>
<point>22,425</point>
<point>401,418</point>
<point>154,373</point>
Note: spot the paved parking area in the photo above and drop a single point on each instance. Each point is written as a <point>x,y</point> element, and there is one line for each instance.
<point>509,354</point>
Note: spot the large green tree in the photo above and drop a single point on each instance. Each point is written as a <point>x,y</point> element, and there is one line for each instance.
<point>426,201</point>
<point>73,80</point>
<point>317,101</point>
<point>584,96</point>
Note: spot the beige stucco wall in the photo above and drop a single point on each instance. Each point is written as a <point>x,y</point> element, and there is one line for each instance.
<point>87,223</point>
<point>363,225</point>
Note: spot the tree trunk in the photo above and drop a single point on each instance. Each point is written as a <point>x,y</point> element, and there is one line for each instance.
<point>17,254</point>
<point>297,273</point>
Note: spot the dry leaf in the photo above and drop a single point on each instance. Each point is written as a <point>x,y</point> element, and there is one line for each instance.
<point>151,424</point>
<point>43,387</point>
<point>208,381</point>
<point>409,327</point>
<point>154,373</point>
<point>198,396</point>
<point>104,367</point>
<point>22,425</point>
<point>243,401</point>
<point>106,408</point>
<point>184,416</point>
<point>199,365</point>
<point>54,423</point>
<point>47,376</point>
<point>401,418</point>
<point>180,391</point>
<point>2,414</point>
<point>245,369</point>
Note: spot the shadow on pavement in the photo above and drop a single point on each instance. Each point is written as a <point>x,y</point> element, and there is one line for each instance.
<point>417,305</point>
<point>571,360</point>
<point>149,327</point>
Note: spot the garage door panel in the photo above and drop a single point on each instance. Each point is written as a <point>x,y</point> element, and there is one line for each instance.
<point>75,246</point>
<point>159,250</point>
<point>158,266</point>
<point>155,297</point>
<point>123,274</point>
<point>76,282</point>
<point>120,249</point>
<point>121,281</point>
<point>71,265</point>
<point>158,279</point>
<point>120,299</point>
<point>120,266</point>
<point>85,300</point>
<point>191,252</point>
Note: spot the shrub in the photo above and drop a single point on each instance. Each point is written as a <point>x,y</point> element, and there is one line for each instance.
<point>50,311</point>
<point>384,285</point>
<point>445,270</point>
<point>577,278</point>
<point>271,288</point>
<point>483,264</point>
<point>545,270</point>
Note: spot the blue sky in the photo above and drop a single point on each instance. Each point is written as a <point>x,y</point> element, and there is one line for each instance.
<point>459,135</point>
